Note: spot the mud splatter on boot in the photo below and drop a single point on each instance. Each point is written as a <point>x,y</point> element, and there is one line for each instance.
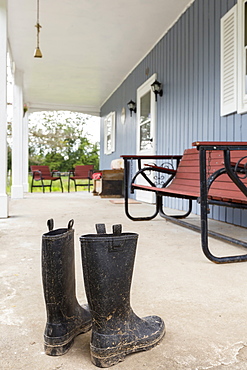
<point>65,317</point>
<point>108,262</point>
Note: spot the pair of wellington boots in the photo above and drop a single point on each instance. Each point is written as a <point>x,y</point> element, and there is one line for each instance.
<point>108,262</point>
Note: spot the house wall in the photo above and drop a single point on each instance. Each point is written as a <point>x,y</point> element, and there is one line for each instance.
<point>187,62</point>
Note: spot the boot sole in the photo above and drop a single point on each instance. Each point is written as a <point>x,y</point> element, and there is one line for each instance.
<point>111,356</point>
<point>58,346</point>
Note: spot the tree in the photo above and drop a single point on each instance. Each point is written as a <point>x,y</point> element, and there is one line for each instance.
<point>57,139</point>
<point>9,140</point>
<point>9,163</point>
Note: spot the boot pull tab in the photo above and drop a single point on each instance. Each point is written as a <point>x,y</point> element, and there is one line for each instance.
<point>70,224</point>
<point>50,224</point>
<point>100,228</point>
<point>117,229</point>
<point>116,244</point>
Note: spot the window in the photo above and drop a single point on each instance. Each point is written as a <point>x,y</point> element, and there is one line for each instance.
<point>146,118</point>
<point>109,133</point>
<point>234,59</point>
<point>145,124</point>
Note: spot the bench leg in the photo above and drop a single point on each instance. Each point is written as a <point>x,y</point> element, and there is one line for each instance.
<point>43,186</point>
<point>204,219</point>
<point>126,198</point>
<point>164,215</point>
<point>148,218</point>
<point>32,186</point>
<point>61,184</point>
<point>204,239</point>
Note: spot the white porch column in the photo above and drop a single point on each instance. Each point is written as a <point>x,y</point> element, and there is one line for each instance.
<point>25,154</point>
<point>4,212</point>
<point>17,137</point>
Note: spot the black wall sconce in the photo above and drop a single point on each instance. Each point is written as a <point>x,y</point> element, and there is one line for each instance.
<point>157,89</point>
<point>132,107</point>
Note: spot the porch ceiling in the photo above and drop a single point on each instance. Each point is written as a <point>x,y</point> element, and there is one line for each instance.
<point>88,47</point>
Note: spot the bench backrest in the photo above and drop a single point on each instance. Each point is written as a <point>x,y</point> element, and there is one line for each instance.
<point>45,171</point>
<point>188,175</point>
<point>83,171</point>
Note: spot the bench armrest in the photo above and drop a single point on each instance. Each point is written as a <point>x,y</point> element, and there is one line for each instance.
<point>36,174</point>
<point>57,172</point>
<point>161,169</point>
<point>239,165</point>
<point>155,157</point>
<point>164,170</point>
<point>149,167</point>
<point>90,174</point>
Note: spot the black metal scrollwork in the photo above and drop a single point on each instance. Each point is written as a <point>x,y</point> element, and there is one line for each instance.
<point>241,168</point>
<point>160,178</point>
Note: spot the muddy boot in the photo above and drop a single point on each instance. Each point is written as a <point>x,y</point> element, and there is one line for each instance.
<point>108,261</point>
<point>65,317</point>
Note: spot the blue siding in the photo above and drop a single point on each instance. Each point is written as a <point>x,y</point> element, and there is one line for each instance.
<point>187,62</point>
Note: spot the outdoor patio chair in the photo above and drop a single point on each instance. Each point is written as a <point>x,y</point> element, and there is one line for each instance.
<point>83,172</point>
<point>42,173</point>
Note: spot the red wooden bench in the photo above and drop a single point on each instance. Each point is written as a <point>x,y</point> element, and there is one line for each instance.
<point>209,174</point>
<point>81,172</point>
<point>42,173</point>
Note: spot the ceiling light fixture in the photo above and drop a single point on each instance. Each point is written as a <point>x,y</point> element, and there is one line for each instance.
<point>37,51</point>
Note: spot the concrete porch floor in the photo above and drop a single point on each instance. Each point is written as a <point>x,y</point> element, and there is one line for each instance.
<point>204,305</point>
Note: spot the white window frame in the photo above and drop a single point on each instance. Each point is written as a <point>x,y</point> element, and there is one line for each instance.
<point>228,66</point>
<point>147,196</point>
<point>233,61</point>
<point>242,62</point>
<point>141,91</point>
<point>109,133</point>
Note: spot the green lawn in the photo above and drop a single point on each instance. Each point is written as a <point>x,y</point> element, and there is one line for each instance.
<point>55,186</point>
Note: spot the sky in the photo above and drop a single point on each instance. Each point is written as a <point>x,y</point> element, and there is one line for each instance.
<point>92,127</point>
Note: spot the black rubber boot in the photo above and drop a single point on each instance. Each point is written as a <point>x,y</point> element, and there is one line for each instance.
<point>65,317</point>
<point>108,261</point>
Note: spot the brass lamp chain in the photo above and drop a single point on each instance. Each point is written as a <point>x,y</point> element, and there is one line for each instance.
<point>38,11</point>
<point>38,26</point>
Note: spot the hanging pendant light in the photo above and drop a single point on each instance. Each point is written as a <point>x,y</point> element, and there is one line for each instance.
<point>37,51</point>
